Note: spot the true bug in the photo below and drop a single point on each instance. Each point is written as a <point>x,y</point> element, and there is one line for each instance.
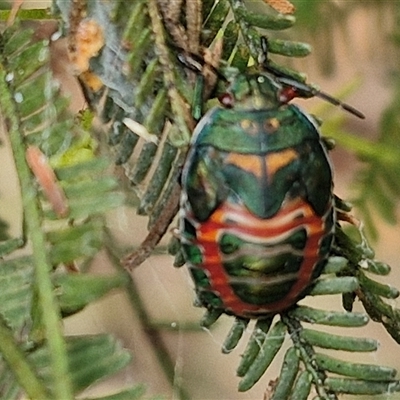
<point>257,214</point>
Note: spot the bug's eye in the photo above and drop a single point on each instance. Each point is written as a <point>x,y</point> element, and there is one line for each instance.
<point>287,93</point>
<point>227,100</point>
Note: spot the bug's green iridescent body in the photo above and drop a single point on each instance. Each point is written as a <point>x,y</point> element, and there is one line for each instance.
<point>257,212</point>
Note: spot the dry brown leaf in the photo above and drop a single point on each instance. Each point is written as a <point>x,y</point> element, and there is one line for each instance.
<point>282,6</point>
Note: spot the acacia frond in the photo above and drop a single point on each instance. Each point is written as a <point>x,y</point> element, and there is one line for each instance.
<point>65,192</point>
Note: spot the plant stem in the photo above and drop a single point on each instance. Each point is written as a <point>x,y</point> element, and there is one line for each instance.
<point>306,354</point>
<point>17,361</point>
<point>50,312</point>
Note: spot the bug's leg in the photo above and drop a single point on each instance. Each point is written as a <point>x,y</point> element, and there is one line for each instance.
<point>175,249</point>
<point>328,143</point>
<point>343,213</point>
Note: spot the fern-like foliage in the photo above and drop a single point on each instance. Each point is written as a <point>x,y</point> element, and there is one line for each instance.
<point>143,98</point>
<point>65,190</point>
<point>381,171</point>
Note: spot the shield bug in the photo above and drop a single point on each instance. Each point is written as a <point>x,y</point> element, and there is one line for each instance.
<point>257,215</point>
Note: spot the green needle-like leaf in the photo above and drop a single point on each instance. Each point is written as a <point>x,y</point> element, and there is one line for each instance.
<point>334,286</point>
<point>76,291</point>
<point>273,342</point>
<point>360,387</point>
<point>257,339</point>
<point>361,371</point>
<point>17,362</point>
<point>302,387</point>
<point>323,317</point>
<point>338,342</point>
<point>234,335</point>
<point>287,376</point>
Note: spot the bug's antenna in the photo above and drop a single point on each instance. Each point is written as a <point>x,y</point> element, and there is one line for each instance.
<point>333,100</point>
<point>303,89</point>
<point>194,64</point>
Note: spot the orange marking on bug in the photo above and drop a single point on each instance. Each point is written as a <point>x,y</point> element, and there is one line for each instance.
<point>47,179</point>
<point>249,126</point>
<point>248,162</point>
<point>276,161</point>
<point>254,164</point>
<point>271,125</point>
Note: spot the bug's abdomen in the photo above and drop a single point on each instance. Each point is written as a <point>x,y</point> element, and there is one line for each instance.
<point>257,221</point>
<point>249,266</point>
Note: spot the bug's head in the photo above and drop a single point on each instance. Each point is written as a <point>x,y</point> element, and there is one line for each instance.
<point>257,91</point>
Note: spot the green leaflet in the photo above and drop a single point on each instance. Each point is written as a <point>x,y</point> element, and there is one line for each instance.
<point>364,371</point>
<point>357,387</point>
<point>73,293</point>
<point>289,48</point>
<point>333,318</point>
<point>16,292</point>
<point>337,342</point>
<point>84,372</point>
<point>302,387</point>
<point>82,352</point>
<point>257,339</point>
<point>210,317</point>
<point>377,288</point>
<point>334,286</point>
<point>267,352</point>
<point>265,21</point>
<point>10,245</point>
<point>287,375</point>
<point>234,335</point>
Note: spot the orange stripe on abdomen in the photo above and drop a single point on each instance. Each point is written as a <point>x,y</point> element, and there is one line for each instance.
<point>236,219</point>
